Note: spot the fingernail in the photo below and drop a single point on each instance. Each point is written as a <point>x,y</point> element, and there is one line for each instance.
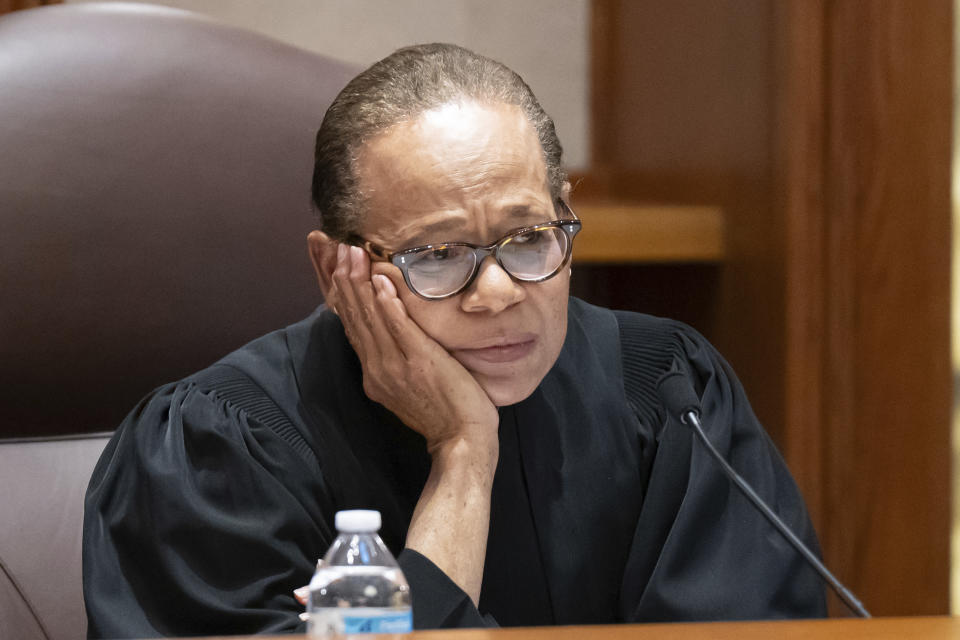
<point>302,592</point>
<point>378,283</point>
<point>341,251</point>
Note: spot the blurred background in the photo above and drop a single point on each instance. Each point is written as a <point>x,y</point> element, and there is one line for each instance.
<point>776,173</point>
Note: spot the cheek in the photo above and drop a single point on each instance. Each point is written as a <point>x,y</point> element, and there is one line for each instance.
<point>435,317</point>
<point>555,312</point>
<point>553,294</point>
<point>427,314</point>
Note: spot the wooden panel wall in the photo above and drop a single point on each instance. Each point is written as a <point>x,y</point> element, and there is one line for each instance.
<point>866,178</point>
<point>823,128</point>
<point>683,114</point>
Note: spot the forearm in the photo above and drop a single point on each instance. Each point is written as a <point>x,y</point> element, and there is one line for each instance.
<point>452,518</point>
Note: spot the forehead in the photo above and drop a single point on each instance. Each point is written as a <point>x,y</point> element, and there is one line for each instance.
<point>462,165</point>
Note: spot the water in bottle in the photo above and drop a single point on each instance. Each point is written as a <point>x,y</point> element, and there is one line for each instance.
<point>359,588</point>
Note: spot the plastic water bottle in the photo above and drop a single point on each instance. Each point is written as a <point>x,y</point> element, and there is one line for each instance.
<point>359,588</point>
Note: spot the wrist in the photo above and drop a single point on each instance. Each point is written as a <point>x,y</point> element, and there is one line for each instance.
<point>473,456</point>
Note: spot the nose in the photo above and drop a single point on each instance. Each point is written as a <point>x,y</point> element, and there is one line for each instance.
<point>493,290</point>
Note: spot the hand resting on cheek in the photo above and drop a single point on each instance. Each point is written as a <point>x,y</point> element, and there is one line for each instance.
<point>404,369</point>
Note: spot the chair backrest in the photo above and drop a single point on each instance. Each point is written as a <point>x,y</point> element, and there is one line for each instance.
<point>42,482</point>
<point>154,202</point>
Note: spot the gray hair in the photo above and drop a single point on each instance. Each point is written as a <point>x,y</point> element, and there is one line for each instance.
<point>399,88</point>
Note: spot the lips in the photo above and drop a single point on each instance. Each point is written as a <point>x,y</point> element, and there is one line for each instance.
<point>497,352</point>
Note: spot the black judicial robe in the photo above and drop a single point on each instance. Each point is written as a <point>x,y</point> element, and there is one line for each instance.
<point>216,495</point>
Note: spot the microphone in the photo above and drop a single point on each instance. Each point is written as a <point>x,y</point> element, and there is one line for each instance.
<point>680,400</point>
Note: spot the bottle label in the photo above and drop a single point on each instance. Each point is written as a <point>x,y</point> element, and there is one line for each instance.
<point>334,622</point>
<point>381,623</point>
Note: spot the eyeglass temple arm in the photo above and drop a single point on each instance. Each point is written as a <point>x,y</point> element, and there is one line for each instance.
<point>375,250</point>
<point>566,207</point>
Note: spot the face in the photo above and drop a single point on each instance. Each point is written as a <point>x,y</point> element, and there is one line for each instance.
<point>470,173</point>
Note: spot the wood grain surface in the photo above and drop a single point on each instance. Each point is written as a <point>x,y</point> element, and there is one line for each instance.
<point>932,628</point>
<point>648,234</point>
<point>823,131</point>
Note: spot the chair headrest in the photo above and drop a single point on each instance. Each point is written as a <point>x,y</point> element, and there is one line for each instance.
<point>154,202</point>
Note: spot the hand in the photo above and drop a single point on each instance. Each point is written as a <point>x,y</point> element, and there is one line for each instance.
<point>404,369</point>
<point>302,594</point>
<point>413,376</point>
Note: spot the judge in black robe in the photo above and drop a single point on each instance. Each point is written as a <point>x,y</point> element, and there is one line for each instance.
<point>216,495</point>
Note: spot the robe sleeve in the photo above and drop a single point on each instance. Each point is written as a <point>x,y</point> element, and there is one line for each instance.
<point>199,520</point>
<point>204,513</point>
<point>701,551</point>
<point>438,603</point>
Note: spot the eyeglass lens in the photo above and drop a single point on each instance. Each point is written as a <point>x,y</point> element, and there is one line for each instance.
<point>535,254</point>
<point>443,270</point>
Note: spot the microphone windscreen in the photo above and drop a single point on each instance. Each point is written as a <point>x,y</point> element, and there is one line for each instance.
<point>677,394</point>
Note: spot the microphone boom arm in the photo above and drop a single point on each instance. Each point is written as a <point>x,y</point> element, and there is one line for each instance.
<point>690,417</point>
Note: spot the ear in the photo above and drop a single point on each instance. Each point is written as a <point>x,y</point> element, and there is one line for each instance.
<point>323,255</point>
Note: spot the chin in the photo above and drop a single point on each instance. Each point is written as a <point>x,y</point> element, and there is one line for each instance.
<point>508,391</point>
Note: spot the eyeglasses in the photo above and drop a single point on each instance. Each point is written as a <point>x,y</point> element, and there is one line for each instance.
<point>528,254</point>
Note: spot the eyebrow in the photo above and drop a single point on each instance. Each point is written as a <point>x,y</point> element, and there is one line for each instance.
<point>523,214</point>
<point>434,228</point>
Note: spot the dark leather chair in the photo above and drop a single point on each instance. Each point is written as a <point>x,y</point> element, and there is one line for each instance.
<point>42,482</point>
<point>154,203</point>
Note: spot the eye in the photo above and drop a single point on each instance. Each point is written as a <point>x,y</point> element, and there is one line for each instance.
<point>433,259</point>
<point>438,255</point>
<point>531,237</point>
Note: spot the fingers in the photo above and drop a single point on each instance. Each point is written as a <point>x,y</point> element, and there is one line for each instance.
<point>359,309</point>
<point>302,594</point>
<point>406,333</point>
<point>350,283</point>
<point>346,304</point>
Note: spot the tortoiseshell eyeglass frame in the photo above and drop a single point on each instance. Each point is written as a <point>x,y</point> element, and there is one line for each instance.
<point>570,226</point>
